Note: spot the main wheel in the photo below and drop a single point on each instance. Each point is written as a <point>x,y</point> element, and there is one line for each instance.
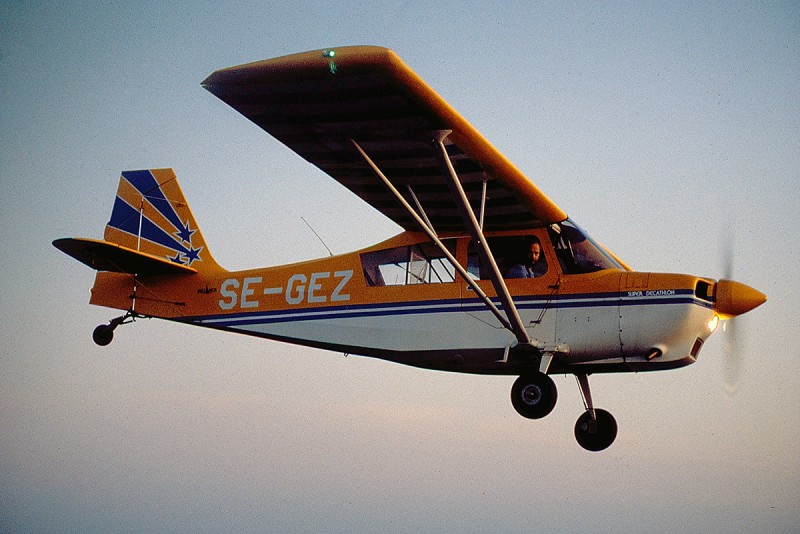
<point>103,335</point>
<point>596,435</point>
<point>534,395</point>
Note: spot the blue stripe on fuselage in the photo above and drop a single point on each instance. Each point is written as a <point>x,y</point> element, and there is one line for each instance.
<point>589,300</point>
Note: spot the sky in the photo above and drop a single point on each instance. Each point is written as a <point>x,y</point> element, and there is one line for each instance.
<point>666,129</point>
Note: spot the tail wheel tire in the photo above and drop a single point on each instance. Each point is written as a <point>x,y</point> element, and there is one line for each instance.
<point>103,335</point>
<point>596,435</point>
<point>534,395</point>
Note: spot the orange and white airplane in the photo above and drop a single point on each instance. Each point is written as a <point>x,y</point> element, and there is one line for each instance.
<point>489,276</point>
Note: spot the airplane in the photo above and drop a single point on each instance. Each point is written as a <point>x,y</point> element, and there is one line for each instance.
<point>488,275</point>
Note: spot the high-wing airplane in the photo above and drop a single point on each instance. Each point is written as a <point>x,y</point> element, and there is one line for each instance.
<point>488,276</point>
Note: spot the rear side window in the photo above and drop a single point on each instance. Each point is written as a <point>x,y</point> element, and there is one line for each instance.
<point>422,263</point>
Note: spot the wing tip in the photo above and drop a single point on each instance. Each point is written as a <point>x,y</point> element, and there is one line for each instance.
<point>290,64</point>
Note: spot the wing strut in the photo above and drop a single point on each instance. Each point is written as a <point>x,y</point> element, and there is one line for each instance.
<point>431,233</point>
<point>478,239</point>
<point>483,201</point>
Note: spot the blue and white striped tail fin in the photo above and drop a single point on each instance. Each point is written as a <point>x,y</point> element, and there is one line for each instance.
<point>151,215</point>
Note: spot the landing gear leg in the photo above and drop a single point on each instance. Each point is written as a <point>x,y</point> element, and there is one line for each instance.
<point>104,333</point>
<point>595,429</point>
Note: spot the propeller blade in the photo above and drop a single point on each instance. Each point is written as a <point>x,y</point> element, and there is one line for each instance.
<point>727,248</point>
<point>733,361</point>
<point>732,299</point>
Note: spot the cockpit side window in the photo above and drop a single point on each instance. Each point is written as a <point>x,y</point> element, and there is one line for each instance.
<point>422,263</point>
<point>577,252</point>
<point>516,256</point>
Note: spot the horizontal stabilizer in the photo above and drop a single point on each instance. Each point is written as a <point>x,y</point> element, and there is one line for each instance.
<point>105,256</point>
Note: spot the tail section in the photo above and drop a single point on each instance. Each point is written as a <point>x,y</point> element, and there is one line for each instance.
<point>153,261</point>
<point>151,215</point>
<point>151,233</point>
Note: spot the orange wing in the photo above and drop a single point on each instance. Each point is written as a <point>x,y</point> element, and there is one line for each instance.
<point>314,102</point>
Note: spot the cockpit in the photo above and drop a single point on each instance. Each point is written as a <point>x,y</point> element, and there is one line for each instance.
<point>576,252</point>
<point>517,256</point>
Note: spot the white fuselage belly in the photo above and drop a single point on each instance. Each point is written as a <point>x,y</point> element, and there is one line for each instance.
<point>590,332</point>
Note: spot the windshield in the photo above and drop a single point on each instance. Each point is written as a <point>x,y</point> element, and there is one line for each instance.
<point>577,252</point>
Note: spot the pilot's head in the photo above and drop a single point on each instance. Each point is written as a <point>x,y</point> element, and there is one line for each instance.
<point>534,251</point>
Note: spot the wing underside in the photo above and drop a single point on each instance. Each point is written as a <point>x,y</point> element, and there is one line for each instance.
<point>317,102</point>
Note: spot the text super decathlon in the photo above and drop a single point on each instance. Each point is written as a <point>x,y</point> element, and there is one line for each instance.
<point>488,276</point>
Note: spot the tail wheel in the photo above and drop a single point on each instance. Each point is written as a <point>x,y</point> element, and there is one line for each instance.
<point>596,435</point>
<point>103,334</point>
<point>534,395</point>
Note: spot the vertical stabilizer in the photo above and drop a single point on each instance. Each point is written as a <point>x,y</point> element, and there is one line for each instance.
<point>151,215</point>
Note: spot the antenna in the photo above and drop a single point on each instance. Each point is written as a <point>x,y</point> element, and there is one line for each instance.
<point>316,234</point>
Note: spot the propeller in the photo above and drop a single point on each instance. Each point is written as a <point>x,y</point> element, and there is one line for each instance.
<point>733,299</point>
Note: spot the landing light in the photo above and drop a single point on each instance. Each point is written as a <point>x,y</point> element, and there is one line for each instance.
<point>713,323</point>
<point>328,53</point>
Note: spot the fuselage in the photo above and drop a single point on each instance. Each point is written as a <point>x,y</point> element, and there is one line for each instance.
<point>401,300</point>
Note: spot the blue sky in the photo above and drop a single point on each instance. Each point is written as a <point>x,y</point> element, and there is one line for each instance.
<point>664,129</point>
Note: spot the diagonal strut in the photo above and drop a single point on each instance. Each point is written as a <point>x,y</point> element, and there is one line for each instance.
<point>479,240</point>
<point>431,233</point>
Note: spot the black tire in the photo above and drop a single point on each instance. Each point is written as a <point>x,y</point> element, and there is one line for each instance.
<point>103,335</point>
<point>601,436</point>
<point>534,395</point>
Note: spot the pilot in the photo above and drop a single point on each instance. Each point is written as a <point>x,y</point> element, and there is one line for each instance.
<point>532,264</point>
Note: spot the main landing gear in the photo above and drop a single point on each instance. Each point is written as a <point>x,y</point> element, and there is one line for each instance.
<point>534,396</point>
<point>595,429</point>
<point>104,333</point>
